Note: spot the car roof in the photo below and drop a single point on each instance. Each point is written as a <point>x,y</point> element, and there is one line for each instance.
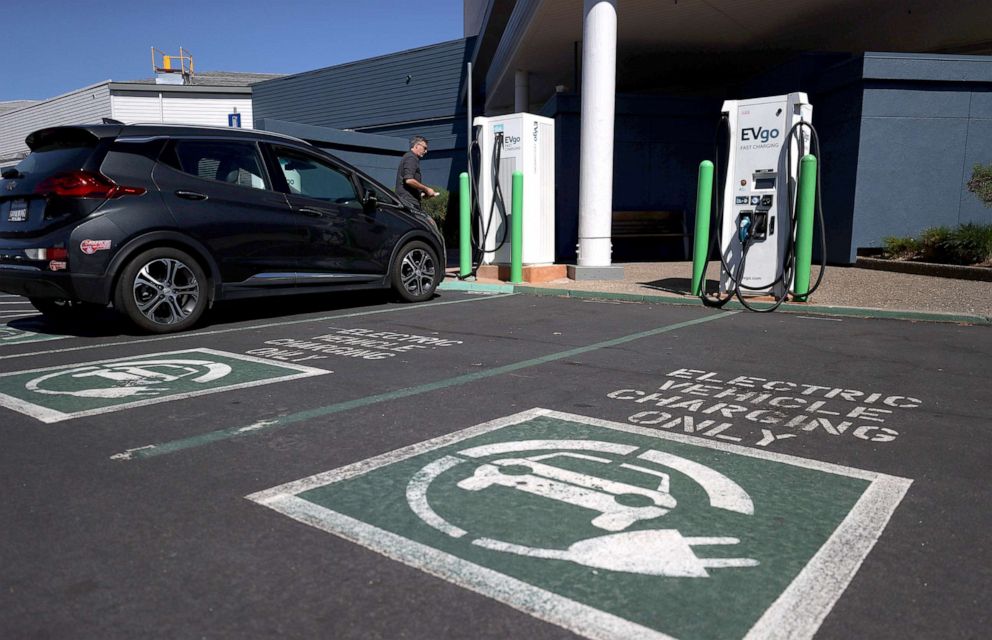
<point>166,130</point>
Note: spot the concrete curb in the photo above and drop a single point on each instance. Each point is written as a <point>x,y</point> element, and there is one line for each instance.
<point>788,307</point>
<point>454,284</point>
<point>927,269</point>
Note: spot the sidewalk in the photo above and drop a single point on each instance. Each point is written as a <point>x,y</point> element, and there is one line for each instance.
<point>844,291</point>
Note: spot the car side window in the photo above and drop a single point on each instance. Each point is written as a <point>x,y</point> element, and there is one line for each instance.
<point>233,162</point>
<point>383,196</point>
<point>308,176</point>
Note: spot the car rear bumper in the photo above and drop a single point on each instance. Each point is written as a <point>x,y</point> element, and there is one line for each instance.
<point>32,282</point>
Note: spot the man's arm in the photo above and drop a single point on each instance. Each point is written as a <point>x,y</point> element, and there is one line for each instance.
<point>420,186</point>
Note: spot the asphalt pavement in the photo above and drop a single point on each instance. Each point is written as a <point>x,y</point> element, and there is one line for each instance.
<point>492,464</point>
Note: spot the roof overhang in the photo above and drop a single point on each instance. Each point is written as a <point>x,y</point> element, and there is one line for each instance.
<point>143,87</point>
<point>655,38</point>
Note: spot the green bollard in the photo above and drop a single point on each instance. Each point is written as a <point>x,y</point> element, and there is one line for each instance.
<point>464,227</point>
<point>805,201</point>
<point>517,229</point>
<point>701,239</point>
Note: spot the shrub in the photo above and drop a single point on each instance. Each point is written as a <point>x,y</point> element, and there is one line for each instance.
<point>438,208</point>
<point>981,183</point>
<point>934,244</point>
<point>971,243</point>
<point>901,248</point>
<point>968,244</point>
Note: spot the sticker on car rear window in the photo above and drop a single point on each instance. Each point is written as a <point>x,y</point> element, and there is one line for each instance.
<point>92,246</point>
<point>18,211</point>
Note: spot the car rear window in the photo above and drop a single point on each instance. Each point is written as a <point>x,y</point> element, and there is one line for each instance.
<point>64,150</point>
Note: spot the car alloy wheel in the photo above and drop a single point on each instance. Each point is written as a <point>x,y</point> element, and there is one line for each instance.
<point>415,273</point>
<point>162,290</point>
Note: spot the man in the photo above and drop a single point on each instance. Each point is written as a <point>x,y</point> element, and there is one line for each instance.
<point>409,187</point>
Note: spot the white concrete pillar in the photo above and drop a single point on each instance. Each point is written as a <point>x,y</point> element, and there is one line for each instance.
<point>599,69</point>
<point>521,92</point>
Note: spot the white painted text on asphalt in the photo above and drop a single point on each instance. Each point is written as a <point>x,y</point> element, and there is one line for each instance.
<point>708,404</point>
<point>366,344</point>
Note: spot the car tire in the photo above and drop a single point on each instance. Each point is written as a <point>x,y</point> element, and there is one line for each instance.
<point>416,272</point>
<point>61,310</point>
<point>162,290</point>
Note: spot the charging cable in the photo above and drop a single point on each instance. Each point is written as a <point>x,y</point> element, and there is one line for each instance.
<point>746,237</point>
<point>481,228</point>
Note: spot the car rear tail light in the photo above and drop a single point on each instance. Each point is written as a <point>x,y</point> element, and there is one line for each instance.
<point>47,253</point>
<point>84,184</point>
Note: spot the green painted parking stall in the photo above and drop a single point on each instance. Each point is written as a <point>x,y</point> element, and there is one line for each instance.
<point>53,394</point>
<point>612,531</point>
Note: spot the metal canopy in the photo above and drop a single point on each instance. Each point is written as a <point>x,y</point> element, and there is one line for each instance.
<point>656,39</point>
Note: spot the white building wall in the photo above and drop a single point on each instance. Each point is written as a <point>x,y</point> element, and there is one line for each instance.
<point>135,107</point>
<point>83,106</point>
<point>92,104</point>
<point>202,108</point>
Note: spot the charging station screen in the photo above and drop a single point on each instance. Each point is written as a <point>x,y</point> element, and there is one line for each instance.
<point>764,183</point>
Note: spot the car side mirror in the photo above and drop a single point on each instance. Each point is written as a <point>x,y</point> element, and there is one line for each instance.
<point>369,201</point>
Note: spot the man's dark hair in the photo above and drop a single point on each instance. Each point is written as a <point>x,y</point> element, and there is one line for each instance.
<point>415,139</point>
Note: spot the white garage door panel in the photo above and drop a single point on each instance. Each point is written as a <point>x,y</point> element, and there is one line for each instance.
<point>207,111</point>
<point>203,110</point>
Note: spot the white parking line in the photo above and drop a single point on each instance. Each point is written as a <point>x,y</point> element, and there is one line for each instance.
<point>197,334</point>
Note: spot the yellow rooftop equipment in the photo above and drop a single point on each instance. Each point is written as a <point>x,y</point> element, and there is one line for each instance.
<point>167,67</point>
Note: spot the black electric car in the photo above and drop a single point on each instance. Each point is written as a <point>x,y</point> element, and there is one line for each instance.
<point>161,221</point>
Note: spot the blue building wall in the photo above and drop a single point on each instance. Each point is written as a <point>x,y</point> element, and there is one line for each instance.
<point>390,98</point>
<point>420,86</point>
<point>926,121</point>
<point>900,136</point>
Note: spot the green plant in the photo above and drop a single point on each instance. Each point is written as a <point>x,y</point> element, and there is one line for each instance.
<point>901,248</point>
<point>934,244</point>
<point>971,243</point>
<point>968,244</point>
<point>439,207</point>
<point>981,183</point>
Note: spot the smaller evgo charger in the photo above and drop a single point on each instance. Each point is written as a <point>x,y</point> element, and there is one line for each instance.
<point>516,142</point>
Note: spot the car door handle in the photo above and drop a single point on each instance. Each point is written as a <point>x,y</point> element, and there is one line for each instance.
<point>307,211</point>
<point>190,195</point>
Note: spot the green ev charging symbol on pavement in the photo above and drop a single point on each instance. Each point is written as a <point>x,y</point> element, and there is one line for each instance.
<point>144,378</point>
<point>53,394</point>
<point>10,336</point>
<point>612,530</point>
<point>617,505</point>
